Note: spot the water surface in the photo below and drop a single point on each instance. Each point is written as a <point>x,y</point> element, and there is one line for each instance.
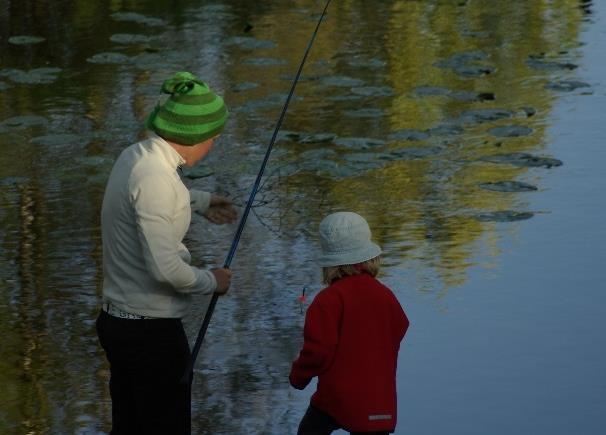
<point>409,113</point>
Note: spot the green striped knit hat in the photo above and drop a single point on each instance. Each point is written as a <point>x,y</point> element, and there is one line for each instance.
<point>192,113</point>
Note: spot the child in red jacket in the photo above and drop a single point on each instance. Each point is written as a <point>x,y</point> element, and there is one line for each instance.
<point>352,333</point>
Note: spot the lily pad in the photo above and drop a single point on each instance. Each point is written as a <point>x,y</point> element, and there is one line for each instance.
<point>364,113</point>
<point>134,17</point>
<point>504,216</point>
<point>473,70</point>
<point>343,171</point>
<point>508,186</point>
<point>302,77</point>
<point>264,61</point>
<point>198,171</point>
<point>412,153</point>
<point>540,64</point>
<point>431,91</point>
<point>360,62</point>
<point>24,121</point>
<point>317,154</point>
<point>319,166</point>
<point>566,85</point>
<point>408,134</point>
<point>510,131</point>
<point>271,101</point>
<point>12,181</point>
<point>475,33</point>
<point>478,116</point>
<point>245,86</point>
<point>524,160</point>
<point>364,162</point>
<point>284,135</point>
<point>374,91</point>
<point>250,43</point>
<point>472,96</point>
<point>25,40</point>
<point>37,76</point>
<point>127,38</point>
<point>464,63</point>
<point>341,81</point>
<point>340,98</point>
<point>316,138</point>
<point>172,59</point>
<point>59,139</point>
<point>462,58</point>
<point>445,130</point>
<point>109,58</point>
<point>252,106</point>
<point>359,142</point>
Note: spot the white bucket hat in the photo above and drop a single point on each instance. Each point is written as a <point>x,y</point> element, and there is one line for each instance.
<point>345,239</point>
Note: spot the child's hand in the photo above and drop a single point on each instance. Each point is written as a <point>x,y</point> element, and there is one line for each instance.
<point>220,211</point>
<point>223,277</point>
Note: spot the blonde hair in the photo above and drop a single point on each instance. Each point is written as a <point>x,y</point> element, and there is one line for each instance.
<point>332,273</point>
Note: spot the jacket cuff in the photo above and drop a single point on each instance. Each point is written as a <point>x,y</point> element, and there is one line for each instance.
<point>296,383</point>
<point>199,200</point>
<point>210,282</point>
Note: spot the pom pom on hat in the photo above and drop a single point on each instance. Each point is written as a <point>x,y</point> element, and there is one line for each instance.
<point>191,114</point>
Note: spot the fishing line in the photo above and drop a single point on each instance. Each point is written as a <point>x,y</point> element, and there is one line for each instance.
<point>188,375</point>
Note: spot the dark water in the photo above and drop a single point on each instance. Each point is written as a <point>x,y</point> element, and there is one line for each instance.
<point>468,133</point>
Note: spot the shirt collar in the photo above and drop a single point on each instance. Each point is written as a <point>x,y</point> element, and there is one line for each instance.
<point>171,156</point>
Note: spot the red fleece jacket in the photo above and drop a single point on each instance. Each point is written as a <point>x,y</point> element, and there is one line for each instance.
<point>352,333</point>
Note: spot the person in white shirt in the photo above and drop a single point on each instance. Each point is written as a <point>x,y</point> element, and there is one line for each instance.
<point>147,276</point>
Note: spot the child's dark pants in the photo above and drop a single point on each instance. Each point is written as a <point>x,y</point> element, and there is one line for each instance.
<point>317,422</point>
<point>147,359</point>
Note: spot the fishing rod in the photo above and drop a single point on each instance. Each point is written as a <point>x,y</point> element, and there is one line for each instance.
<point>189,371</point>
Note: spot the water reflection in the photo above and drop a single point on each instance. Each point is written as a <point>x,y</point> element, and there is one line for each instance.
<point>406,112</point>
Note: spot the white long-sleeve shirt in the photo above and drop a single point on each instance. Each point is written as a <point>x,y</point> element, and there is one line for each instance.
<point>146,213</point>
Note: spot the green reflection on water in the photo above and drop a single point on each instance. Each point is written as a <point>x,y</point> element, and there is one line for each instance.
<point>370,58</point>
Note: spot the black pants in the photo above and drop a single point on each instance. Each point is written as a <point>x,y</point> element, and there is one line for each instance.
<point>317,422</point>
<point>147,360</point>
